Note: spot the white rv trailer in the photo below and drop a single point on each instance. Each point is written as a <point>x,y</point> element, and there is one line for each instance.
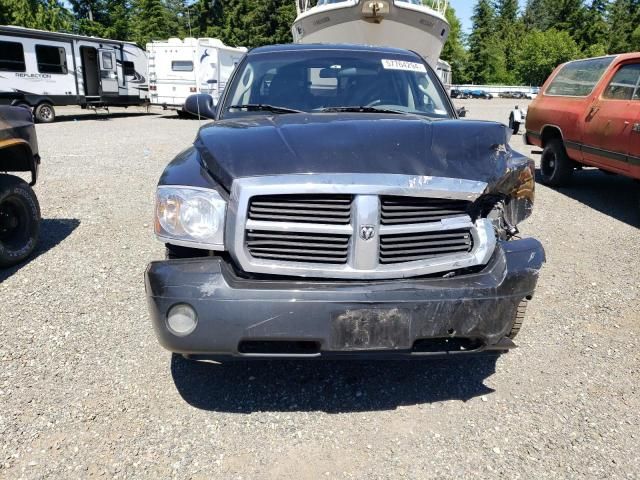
<point>443,69</point>
<point>43,69</point>
<point>180,68</point>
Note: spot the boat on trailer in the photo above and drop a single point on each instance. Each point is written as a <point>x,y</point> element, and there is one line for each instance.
<point>415,25</point>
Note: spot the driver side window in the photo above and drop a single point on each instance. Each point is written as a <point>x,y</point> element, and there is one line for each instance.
<point>625,83</point>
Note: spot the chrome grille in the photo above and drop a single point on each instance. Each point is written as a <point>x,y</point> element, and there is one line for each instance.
<point>407,210</point>
<point>330,209</point>
<point>356,226</point>
<point>424,245</point>
<point>298,247</point>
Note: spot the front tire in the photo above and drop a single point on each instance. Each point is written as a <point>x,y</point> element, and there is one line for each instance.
<point>44,113</point>
<point>521,313</point>
<point>19,220</point>
<point>556,167</point>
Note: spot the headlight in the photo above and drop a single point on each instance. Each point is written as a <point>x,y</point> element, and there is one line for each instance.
<point>191,217</point>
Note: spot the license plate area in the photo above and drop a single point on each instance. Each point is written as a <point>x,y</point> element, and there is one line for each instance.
<point>371,329</point>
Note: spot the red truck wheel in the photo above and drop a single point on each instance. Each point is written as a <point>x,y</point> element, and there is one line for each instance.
<point>556,167</point>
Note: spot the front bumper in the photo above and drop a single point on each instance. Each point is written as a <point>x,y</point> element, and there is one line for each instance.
<point>242,317</point>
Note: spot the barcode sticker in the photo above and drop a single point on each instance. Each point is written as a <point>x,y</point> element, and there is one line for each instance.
<point>388,64</point>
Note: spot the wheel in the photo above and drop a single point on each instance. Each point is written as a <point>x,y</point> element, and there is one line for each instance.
<point>19,220</point>
<point>521,312</point>
<point>513,125</point>
<point>555,165</point>
<point>44,113</point>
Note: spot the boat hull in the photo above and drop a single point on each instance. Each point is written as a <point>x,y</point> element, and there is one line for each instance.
<point>416,29</point>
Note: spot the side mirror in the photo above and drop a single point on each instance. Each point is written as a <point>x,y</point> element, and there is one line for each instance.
<point>200,105</point>
<point>462,112</point>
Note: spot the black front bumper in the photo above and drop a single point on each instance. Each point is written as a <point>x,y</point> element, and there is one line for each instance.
<point>243,317</point>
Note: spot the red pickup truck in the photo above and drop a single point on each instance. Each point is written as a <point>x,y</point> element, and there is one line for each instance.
<point>588,113</point>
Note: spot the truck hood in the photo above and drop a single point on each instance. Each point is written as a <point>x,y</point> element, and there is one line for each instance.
<point>354,143</point>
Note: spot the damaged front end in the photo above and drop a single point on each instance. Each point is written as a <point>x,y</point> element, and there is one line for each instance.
<point>339,265</point>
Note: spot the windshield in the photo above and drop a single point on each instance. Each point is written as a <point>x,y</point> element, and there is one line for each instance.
<point>317,80</point>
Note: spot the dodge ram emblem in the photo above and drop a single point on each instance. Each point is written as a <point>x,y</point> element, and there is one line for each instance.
<point>367,232</point>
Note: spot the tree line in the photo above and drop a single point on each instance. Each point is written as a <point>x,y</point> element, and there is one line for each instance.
<point>236,22</point>
<point>506,44</point>
<point>509,45</point>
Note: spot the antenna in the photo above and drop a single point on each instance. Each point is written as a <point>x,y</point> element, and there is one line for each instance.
<point>189,21</point>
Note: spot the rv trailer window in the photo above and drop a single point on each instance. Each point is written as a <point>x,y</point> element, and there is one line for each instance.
<point>107,61</point>
<point>128,68</point>
<point>12,57</point>
<point>182,66</point>
<point>51,59</point>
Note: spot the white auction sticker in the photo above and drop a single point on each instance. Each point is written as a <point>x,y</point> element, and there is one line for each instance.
<point>403,65</point>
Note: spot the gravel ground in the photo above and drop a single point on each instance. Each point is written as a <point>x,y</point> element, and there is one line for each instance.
<point>85,389</point>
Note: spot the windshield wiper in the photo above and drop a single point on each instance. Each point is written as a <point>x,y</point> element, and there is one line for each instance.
<point>361,110</point>
<point>262,107</point>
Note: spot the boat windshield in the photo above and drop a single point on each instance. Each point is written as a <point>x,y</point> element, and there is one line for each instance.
<point>320,80</point>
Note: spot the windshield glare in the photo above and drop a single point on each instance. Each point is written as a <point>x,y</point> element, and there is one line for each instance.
<point>312,81</point>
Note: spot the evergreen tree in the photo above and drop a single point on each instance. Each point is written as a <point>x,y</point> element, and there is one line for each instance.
<point>593,36</point>
<point>453,51</point>
<point>150,21</point>
<point>623,19</point>
<point>40,14</point>
<point>509,31</point>
<point>118,25</point>
<point>91,16</point>
<point>536,15</point>
<point>484,56</point>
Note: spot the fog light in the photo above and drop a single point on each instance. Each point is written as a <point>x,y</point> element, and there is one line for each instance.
<point>182,319</point>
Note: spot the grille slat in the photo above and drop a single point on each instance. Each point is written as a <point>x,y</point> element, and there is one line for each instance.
<point>299,218</point>
<point>293,236</point>
<point>298,247</point>
<point>462,243</point>
<point>298,258</point>
<point>327,209</point>
<point>296,211</point>
<point>338,205</point>
<point>408,210</point>
<point>423,245</point>
<point>255,244</point>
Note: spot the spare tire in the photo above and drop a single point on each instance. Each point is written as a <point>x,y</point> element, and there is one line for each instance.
<point>19,220</point>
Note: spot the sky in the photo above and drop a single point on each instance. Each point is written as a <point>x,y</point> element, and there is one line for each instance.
<point>464,11</point>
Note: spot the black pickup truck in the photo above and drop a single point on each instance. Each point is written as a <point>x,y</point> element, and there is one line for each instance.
<point>338,207</point>
<point>19,208</point>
